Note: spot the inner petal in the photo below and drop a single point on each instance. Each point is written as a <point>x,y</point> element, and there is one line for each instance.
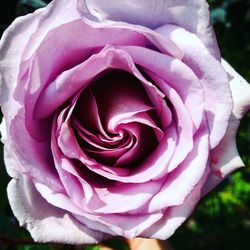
<point>119,118</point>
<point>119,94</point>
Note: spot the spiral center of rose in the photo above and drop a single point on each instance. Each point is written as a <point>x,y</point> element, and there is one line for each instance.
<point>114,121</point>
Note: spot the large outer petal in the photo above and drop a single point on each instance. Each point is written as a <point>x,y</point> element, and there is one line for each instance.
<point>214,80</point>
<point>12,48</point>
<point>46,223</point>
<point>18,37</point>
<point>176,215</point>
<point>225,157</point>
<point>192,15</point>
<point>123,224</point>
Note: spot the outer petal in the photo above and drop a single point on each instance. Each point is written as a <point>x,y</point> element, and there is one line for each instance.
<point>225,157</point>
<point>19,36</point>
<point>12,49</point>
<point>181,182</point>
<point>10,163</point>
<point>45,222</point>
<point>212,76</point>
<point>123,224</point>
<point>192,15</point>
<point>176,215</point>
<point>240,91</point>
<point>174,72</point>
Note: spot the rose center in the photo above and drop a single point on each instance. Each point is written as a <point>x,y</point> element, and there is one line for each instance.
<point>114,120</point>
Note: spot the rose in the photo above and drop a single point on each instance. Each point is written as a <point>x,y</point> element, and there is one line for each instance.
<point>173,106</point>
<point>117,117</point>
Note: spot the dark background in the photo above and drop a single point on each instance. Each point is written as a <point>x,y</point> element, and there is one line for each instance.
<point>222,220</point>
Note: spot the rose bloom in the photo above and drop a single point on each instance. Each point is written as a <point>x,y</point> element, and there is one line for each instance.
<point>118,117</point>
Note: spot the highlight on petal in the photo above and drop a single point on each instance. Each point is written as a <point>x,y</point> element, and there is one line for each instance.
<point>240,89</point>
<point>174,216</point>
<point>192,15</point>
<point>225,157</point>
<point>25,32</point>
<point>190,172</point>
<point>45,222</point>
<point>212,76</point>
<point>123,224</point>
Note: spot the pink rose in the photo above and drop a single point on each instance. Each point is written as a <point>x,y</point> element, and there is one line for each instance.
<point>118,117</point>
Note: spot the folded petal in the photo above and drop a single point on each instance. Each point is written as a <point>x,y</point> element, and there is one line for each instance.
<point>20,41</point>
<point>189,14</point>
<point>183,122</point>
<point>240,89</point>
<point>176,215</point>
<point>180,182</point>
<point>127,225</point>
<point>34,158</point>
<point>212,76</point>
<point>176,74</point>
<point>225,157</point>
<point>45,222</point>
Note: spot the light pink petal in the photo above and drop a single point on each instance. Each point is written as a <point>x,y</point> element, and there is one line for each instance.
<point>225,157</point>
<point>16,38</point>
<point>49,18</point>
<point>183,180</point>
<point>240,89</point>
<point>176,215</point>
<point>12,165</point>
<point>45,222</point>
<point>176,74</point>
<point>128,198</point>
<point>79,77</point>
<point>87,188</point>
<point>218,99</point>
<point>34,157</point>
<point>184,125</point>
<point>72,185</point>
<point>163,44</point>
<point>189,14</point>
<point>127,225</point>
<point>108,200</point>
<point>49,61</point>
<point>14,42</point>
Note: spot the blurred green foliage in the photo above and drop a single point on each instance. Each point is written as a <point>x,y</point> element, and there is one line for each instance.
<point>222,219</point>
<point>26,6</point>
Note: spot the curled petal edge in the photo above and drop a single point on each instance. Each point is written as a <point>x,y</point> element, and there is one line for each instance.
<point>225,157</point>
<point>45,222</point>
